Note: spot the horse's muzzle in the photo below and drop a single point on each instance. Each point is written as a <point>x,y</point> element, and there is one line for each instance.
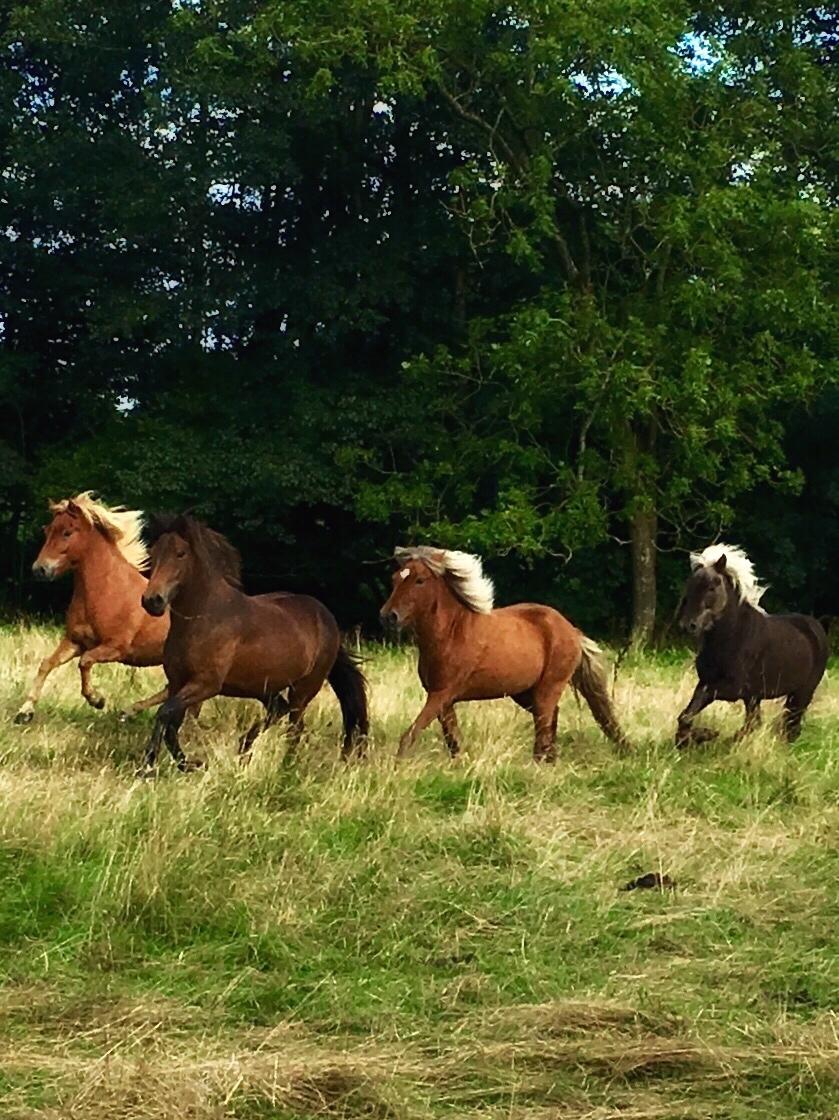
<point>389,618</point>
<point>43,570</point>
<point>154,605</point>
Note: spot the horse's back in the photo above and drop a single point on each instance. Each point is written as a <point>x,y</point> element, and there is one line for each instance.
<point>517,645</point>
<point>811,630</point>
<point>305,609</point>
<point>281,637</point>
<point>794,654</point>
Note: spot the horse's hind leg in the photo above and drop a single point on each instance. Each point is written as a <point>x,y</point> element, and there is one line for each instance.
<point>794,709</point>
<point>300,696</point>
<point>545,718</point>
<point>275,708</point>
<point>451,731</point>
<point>545,711</point>
<point>544,725</point>
<point>753,718</point>
<point>65,651</point>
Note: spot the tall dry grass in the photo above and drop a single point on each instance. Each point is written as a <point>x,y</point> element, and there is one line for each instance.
<point>304,938</point>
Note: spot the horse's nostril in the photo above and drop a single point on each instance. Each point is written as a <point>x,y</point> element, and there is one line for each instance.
<point>153,604</point>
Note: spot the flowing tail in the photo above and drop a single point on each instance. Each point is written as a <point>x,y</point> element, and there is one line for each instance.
<point>590,679</point>
<point>350,686</point>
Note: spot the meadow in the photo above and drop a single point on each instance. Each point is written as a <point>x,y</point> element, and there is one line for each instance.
<point>425,939</point>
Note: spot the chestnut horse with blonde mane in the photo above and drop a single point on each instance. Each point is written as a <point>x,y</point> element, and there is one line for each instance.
<point>105,621</point>
<point>223,642</point>
<point>470,651</point>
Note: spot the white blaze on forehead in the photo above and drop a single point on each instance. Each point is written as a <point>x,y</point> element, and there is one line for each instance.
<point>404,573</point>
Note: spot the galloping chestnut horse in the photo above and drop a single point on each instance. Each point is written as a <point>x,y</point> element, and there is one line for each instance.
<point>105,621</point>
<point>469,651</point>
<point>224,643</point>
<point>744,653</point>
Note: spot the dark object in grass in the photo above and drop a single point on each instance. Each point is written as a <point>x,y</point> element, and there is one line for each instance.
<point>649,881</point>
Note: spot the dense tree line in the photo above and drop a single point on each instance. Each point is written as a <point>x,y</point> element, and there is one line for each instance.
<point>552,281</point>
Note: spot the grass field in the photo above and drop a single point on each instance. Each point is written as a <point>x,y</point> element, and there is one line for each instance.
<point>426,939</point>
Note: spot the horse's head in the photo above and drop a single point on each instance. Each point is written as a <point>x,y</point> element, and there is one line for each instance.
<point>415,590</point>
<point>705,597</point>
<point>172,558</point>
<point>66,536</point>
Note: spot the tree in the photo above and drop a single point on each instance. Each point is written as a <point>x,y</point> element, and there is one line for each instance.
<point>668,244</point>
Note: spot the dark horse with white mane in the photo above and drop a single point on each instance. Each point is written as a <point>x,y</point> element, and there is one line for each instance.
<point>222,642</point>
<point>744,653</point>
<point>469,651</point>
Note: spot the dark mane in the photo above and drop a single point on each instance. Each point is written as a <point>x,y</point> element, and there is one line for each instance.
<point>212,550</point>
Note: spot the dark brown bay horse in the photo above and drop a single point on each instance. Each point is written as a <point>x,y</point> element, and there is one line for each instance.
<point>469,651</point>
<point>744,653</point>
<point>105,621</point>
<point>224,643</point>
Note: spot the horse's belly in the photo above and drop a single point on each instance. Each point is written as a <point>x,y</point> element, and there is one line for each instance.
<point>252,673</point>
<point>493,682</point>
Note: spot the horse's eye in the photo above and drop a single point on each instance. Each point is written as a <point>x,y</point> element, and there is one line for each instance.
<point>66,533</point>
<point>419,580</point>
<point>181,554</point>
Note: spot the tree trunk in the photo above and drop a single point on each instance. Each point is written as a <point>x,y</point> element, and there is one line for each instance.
<point>643,529</point>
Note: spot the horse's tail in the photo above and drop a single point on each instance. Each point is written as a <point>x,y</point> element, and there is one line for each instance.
<point>590,679</point>
<point>350,686</point>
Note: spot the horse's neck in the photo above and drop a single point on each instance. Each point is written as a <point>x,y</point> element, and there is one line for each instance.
<point>437,630</point>
<point>723,638</point>
<point>196,596</point>
<point>101,565</point>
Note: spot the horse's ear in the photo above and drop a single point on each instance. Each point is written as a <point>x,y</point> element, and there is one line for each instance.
<point>156,525</point>
<point>73,509</point>
<point>719,566</point>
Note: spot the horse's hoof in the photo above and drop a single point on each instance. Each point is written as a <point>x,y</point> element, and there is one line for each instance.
<point>96,701</point>
<point>190,765</point>
<point>124,716</point>
<point>245,759</point>
<point>24,717</point>
<point>705,734</point>
<point>146,773</point>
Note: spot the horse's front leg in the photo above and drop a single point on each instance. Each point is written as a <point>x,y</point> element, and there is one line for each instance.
<point>99,655</point>
<point>685,732</point>
<point>435,704</point>
<point>144,705</point>
<point>65,651</point>
<point>167,724</point>
<point>152,702</point>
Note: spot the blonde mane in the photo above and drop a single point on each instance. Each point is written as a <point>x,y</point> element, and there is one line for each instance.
<point>123,527</point>
<point>738,566</point>
<point>462,571</point>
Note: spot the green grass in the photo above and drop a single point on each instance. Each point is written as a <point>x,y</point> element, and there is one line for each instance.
<point>428,939</point>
